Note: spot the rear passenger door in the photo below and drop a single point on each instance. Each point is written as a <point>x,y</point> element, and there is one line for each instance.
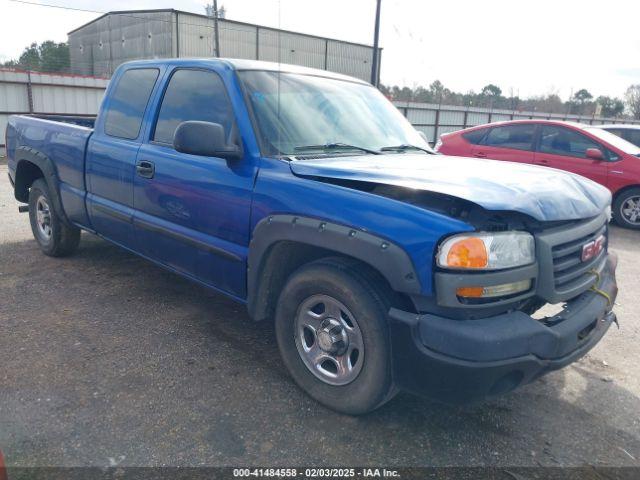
<point>565,149</point>
<point>192,212</point>
<point>111,155</point>
<point>513,143</point>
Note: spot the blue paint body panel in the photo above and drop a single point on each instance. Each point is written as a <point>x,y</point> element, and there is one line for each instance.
<point>197,214</point>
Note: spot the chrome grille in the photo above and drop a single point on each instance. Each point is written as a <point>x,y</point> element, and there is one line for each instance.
<point>568,267</point>
<point>562,273</point>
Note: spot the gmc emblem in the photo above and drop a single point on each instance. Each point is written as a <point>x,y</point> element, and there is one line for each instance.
<point>593,248</point>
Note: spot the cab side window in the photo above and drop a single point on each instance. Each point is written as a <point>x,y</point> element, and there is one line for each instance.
<point>475,136</point>
<point>519,137</point>
<point>193,95</point>
<point>563,141</point>
<point>128,102</point>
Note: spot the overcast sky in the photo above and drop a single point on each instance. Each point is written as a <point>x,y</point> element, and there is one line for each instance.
<point>534,47</point>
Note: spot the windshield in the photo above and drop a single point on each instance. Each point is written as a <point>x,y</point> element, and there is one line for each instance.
<point>615,141</point>
<point>297,113</point>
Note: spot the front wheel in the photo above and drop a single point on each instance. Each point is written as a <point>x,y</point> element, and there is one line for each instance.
<point>331,327</point>
<point>626,209</point>
<point>54,237</point>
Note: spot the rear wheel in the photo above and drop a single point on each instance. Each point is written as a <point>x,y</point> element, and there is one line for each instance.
<point>626,209</point>
<point>54,237</point>
<point>331,326</point>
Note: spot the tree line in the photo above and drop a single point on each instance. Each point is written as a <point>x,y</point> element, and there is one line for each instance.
<point>581,102</point>
<point>49,57</point>
<point>53,57</point>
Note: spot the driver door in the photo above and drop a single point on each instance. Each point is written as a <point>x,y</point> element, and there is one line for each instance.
<point>192,212</point>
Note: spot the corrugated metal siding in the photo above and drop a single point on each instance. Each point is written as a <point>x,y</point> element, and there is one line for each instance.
<point>13,98</point>
<point>99,47</point>
<point>277,46</point>
<point>238,40</point>
<point>474,118</point>
<point>417,115</point>
<point>57,94</point>
<point>349,59</point>
<point>196,36</point>
<point>56,99</point>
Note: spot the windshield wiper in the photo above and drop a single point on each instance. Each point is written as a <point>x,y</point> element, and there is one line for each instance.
<point>336,146</point>
<point>404,147</point>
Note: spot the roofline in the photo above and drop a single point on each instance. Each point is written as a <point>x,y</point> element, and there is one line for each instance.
<point>224,20</point>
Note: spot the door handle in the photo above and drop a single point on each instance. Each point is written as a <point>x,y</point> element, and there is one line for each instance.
<point>145,169</point>
<point>480,155</point>
<point>543,162</point>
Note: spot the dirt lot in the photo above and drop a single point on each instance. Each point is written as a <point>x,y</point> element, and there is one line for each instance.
<point>106,359</point>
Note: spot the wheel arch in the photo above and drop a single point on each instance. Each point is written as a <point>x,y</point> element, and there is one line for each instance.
<point>282,243</point>
<point>31,165</point>
<point>623,190</point>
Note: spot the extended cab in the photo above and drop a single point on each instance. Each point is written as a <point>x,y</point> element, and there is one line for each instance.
<point>308,197</point>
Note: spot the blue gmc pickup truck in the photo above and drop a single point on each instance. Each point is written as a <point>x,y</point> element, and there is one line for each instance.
<point>308,197</point>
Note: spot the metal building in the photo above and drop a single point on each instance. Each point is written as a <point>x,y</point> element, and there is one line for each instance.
<point>98,47</point>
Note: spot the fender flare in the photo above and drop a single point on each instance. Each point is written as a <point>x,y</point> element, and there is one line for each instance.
<point>389,259</point>
<point>48,169</point>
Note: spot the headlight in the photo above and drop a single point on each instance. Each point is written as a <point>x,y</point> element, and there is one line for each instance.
<point>487,251</point>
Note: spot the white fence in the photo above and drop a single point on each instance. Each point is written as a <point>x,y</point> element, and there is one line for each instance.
<point>44,93</point>
<point>50,94</point>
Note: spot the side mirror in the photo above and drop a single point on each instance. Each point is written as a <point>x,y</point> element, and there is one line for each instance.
<point>204,138</point>
<point>594,154</point>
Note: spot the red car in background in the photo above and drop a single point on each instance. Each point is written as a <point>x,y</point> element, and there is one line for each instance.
<point>583,149</point>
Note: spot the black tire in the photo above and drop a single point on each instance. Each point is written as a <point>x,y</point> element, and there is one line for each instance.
<point>61,240</point>
<point>619,205</point>
<point>363,295</point>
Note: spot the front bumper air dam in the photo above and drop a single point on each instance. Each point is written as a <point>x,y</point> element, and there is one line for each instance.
<point>463,361</point>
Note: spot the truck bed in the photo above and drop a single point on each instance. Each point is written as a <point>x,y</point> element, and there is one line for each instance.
<point>63,140</point>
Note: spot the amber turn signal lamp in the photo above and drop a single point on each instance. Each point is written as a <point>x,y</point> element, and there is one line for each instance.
<point>468,253</point>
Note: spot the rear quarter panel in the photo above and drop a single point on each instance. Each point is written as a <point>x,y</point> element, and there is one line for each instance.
<point>455,144</point>
<point>64,145</point>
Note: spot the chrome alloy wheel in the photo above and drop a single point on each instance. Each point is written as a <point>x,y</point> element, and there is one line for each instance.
<point>329,340</point>
<point>43,218</point>
<point>630,210</point>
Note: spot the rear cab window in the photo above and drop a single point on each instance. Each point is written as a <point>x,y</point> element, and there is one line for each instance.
<point>128,102</point>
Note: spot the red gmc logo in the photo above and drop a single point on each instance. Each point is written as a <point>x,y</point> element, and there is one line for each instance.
<point>593,248</point>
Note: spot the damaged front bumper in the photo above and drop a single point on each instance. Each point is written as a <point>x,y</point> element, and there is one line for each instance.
<point>461,361</point>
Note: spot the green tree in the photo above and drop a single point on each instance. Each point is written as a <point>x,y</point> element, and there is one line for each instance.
<point>491,90</point>
<point>49,56</point>
<point>30,58</point>
<point>611,107</point>
<point>582,96</point>
<point>54,57</point>
<point>632,97</point>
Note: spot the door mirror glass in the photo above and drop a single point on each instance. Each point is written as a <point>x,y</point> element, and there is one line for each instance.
<point>594,154</point>
<point>204,138</point>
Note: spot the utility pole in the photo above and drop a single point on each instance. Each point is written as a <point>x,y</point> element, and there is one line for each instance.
<point>376,59</point>
<point>215,24</point>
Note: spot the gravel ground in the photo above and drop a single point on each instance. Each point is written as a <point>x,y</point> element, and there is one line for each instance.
<point>108,360</point>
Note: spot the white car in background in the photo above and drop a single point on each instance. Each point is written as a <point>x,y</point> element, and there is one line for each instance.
<point>631,133</point>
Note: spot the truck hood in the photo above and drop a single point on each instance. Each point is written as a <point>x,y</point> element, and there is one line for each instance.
<point>543,193</point>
